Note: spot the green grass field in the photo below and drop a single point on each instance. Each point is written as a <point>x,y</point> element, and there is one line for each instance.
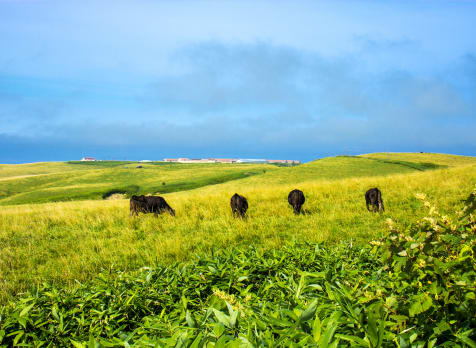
<point>62,242</point>
<point>75,269</point>
<point>435,158</point>
<point>52,182</point>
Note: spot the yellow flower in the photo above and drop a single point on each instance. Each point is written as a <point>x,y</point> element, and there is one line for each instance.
<point>420,196</point>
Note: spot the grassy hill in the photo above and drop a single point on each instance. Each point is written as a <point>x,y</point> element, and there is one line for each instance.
<point>424,158</point>
<point>68,241</point>
<point>53,182</point>
<point>97,277</point>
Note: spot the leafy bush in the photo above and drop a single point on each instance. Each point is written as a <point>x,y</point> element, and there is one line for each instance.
<point>409,289</point>
<point>432,276</point>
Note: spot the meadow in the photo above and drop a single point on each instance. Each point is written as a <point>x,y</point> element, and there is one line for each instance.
<point>66,244</point>
<point>53,182</point>
<point>410,288</point>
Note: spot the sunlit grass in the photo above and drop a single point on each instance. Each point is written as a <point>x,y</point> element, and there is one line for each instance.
<point>436,158</point>
<point>52,182</point>
<point>69,241</point>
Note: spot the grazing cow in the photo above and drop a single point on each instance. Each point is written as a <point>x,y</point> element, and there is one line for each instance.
<point>296,199</point>
<point>374,197</point>
<point>149,204</point>
<point>239,205</point>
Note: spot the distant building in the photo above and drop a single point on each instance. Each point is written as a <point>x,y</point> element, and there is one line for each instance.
<point>199,160</point>
<point>145,161</point>
<point>205,160</point>
<point>88,159</point>
<point>283,161</point>
<point>225,160</point>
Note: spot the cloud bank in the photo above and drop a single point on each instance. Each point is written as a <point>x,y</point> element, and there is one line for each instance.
<point>151,81</point>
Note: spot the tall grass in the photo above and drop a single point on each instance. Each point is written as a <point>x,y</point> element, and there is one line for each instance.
<point>411,288</point>
<point>69,241</point>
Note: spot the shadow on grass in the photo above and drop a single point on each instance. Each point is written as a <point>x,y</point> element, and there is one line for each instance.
<point>306,212</point>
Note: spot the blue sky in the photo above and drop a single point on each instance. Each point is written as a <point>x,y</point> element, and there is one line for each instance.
<point>263,79</point>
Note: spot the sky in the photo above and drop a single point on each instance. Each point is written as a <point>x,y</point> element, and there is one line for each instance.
<point>133,80</point>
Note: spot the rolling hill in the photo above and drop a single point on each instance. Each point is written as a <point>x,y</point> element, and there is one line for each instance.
<point>94,276</point>
<point>67,241</point>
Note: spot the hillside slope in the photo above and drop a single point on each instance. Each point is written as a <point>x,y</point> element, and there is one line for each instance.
<point>335,168</point>
<point>61,242</point>
<point>50,182</point>
<point>53,182</point>
<point>422,158</point>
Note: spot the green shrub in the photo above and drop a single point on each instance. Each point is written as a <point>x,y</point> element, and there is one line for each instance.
<point>432,276</point>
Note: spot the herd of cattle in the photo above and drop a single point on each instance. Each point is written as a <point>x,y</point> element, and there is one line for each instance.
<point>239,204</point>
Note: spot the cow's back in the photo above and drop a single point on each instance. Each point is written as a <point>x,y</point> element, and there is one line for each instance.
<point>296,197</point>
<point>238,204</point>
<point>372,195</point>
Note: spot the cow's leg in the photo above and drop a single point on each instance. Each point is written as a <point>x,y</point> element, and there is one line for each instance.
<point>380,206</point>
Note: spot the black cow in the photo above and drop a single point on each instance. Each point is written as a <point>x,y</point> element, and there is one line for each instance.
<point>374,197</point>
<point>296,199</point>
<point>239,205</point>
<point>149,204</point>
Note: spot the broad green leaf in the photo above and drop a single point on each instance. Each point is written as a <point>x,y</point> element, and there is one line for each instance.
<point>308,313</point>
<point>189,319</point>
<point>222,317</point>
<point>196,341</point>
<point>316,329</point>
<point>220,343</point>
<point>218,329</point>
<point>17,337</point>
<point>463,337</point>
<point>26,310</point>
<point>355,340</point>
<point>77,344</point>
